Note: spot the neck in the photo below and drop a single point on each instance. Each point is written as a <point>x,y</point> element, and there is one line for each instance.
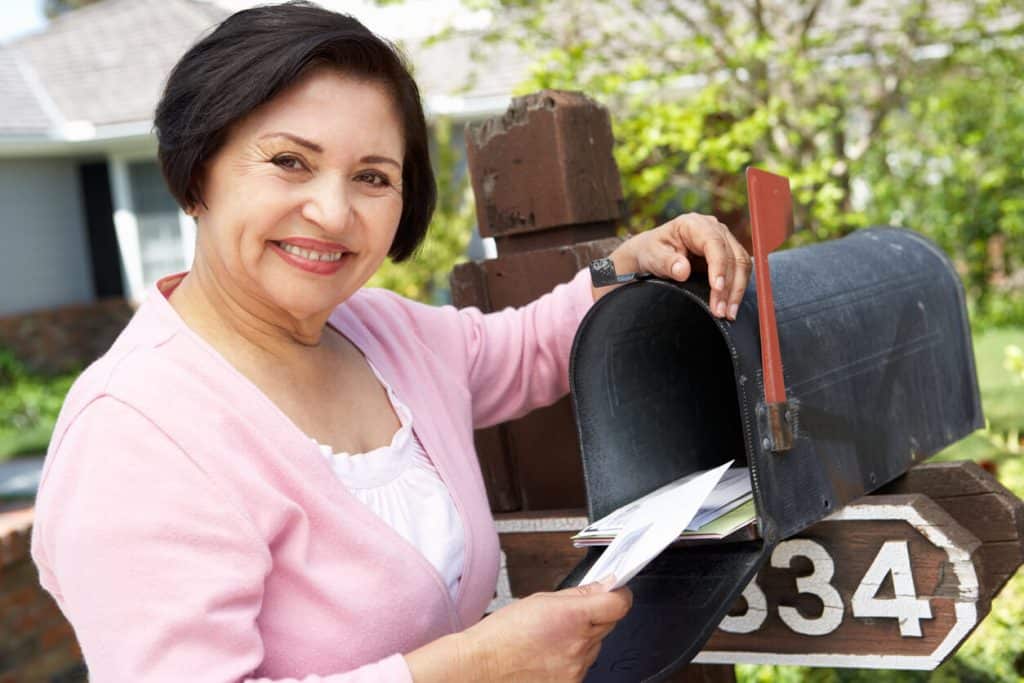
<point>218,311</point>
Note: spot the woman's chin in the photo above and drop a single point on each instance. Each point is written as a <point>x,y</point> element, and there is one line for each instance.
<point>303,300</point>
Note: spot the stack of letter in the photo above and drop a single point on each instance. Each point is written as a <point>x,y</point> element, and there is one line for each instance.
<point>728,512</point>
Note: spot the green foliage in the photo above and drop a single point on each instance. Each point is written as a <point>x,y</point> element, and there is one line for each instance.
<point>997,310</point>
<point>425,276</point>
<point>952,165</point>
<point>29,404</point>
<point>907,112</point>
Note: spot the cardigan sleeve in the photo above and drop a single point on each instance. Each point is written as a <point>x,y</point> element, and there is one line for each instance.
<point>160,576</point>
<point>514,360</point>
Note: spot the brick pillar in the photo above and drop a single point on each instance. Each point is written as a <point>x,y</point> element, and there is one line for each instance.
<point>36,642</point>
<point>547,190</point>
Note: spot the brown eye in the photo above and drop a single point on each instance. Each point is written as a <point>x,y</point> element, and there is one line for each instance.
<point>374,179</point>
<point>288,162</point>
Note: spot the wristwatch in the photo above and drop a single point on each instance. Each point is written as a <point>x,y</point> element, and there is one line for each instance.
<point>602,274</point>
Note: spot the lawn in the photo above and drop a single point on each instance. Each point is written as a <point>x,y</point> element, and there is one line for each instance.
<point>1002,398</point>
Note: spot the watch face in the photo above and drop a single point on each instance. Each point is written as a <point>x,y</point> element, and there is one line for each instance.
<point>602,272</point>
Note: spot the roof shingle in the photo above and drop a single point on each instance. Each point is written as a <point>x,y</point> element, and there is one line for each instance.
<point>22,112</point>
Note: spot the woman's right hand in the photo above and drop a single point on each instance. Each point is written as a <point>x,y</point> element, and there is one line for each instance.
<point>546,636</point>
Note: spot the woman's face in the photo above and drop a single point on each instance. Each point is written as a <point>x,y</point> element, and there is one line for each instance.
<point>304,198</point>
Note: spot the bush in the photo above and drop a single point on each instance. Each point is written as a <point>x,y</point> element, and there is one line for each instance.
<point>29,405</point>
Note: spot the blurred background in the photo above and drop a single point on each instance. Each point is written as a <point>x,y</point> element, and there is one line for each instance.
<point>900,112</point>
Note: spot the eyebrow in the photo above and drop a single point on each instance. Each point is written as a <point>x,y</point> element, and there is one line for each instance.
<point>375,159</point>
<point>309,144</point>
<point>296,139</point>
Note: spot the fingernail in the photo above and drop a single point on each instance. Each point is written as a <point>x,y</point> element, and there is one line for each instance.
<point>721,309</point>
<point>608,581</point>
<point>677,269</point>
<point>733,310</point>
<point>720,282</point>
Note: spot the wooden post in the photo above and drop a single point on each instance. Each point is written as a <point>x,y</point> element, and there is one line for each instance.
<point>547,190</point>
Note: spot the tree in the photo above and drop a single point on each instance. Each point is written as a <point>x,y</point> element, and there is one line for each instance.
<point>824,91</point>
<point>951,166</point>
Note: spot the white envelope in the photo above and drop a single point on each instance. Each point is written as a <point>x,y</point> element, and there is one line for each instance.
<point>652,528</point>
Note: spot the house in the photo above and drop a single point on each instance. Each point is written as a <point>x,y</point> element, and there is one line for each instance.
<point>84,213</point>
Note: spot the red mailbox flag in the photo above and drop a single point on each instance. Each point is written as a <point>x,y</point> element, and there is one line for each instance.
<point>771,213</point>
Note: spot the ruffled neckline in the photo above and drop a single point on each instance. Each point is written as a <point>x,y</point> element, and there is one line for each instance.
<point>380,465</point>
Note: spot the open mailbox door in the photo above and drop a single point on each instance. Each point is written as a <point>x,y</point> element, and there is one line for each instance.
<point>878,375</point>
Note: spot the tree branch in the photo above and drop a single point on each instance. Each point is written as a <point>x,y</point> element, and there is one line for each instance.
<point>805,25</point>
<point>719,48</point>
<point>757,14</point>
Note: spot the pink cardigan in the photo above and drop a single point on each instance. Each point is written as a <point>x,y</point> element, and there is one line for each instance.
<point>190,531</point>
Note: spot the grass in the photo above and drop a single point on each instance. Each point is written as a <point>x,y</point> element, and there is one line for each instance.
<point>1002,399</point>
<point>1002,391</point>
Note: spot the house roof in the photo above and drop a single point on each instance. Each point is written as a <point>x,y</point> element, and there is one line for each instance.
<point>23,112</point>
<point>104,65</point>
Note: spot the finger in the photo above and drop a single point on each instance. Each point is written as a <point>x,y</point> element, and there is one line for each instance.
<point>594,588</point>
<point>741,276</point>
<point>720,267</point>
<point>664,254</point>
<point>599,631</point>
<point>610,607</point>
<point>675,262</point>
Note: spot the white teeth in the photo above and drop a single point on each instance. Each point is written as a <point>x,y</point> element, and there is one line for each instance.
<point>309,254</point>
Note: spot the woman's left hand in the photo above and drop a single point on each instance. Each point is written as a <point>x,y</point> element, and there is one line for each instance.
<point>667,251</point>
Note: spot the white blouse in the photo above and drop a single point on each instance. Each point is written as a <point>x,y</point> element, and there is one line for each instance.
<point>402,486</point>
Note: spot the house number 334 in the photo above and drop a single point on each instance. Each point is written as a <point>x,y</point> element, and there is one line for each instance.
<point>892,559</point>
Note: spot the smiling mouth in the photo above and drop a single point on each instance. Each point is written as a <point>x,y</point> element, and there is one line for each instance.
<point>310,254</point>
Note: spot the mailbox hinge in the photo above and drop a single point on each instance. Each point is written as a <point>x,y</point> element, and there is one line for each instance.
<point>776,423</point>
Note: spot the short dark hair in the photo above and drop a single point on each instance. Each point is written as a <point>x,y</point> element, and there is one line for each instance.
<point>255,54</point>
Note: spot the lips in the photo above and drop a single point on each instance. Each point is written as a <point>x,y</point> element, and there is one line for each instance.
<point>313,256</point>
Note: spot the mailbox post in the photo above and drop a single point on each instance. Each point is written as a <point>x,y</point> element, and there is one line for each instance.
<point>547,190</point>
<point>894,580</point>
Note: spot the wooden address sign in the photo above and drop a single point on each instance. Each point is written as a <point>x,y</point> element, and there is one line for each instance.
<point>889,582</point>
<point>893,581</point>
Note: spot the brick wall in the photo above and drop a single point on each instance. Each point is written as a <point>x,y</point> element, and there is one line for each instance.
<point>37,644</point>
<point>67,338</point>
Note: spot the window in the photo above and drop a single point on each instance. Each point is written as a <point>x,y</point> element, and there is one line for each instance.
<point>161,247</point>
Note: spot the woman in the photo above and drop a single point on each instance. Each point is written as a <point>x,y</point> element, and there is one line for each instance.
<point>200,516</point>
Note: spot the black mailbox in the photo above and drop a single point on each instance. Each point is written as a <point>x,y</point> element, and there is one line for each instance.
<point>880,375</point>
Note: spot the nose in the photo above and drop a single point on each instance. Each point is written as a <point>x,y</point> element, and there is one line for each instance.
<point>327,204</point>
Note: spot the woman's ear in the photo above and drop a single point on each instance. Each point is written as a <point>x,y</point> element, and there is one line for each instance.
<point>194,209</point>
